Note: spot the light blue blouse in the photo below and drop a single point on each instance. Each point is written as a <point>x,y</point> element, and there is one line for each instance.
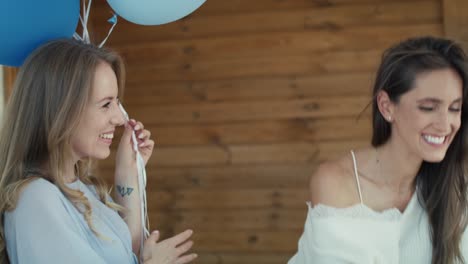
<point>45,227</point>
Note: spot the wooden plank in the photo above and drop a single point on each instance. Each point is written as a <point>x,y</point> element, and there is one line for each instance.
<point>280,153</point>
<point>456,20</point>
<point>247,241</point>
<point>300,129</point>
<point>295,87</point>
<point>278,43</point>
<point>242,258</point>
<point>209,199</point>
<point>243,176</point>
<point>345,106</point>
<point>252,154</point>
<point>234,176</point>
<point>267,66</point>
<point>163,221</point>
<point>160,199</point>
<point>332,18</point>
<point>9,77</point>
<point>269,219</point>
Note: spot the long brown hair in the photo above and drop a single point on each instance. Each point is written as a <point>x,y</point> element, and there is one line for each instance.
<point>441,186</point>
<point>49,96</point>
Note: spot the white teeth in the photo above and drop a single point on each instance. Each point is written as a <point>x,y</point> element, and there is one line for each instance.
<point>107,136</point>
<point>434,140</point>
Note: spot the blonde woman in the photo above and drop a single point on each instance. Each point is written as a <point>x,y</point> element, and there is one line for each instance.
<point>403,200</point>
<point>62,114</point>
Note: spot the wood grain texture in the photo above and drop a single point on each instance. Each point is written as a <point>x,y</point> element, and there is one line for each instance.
<point>9,76</point>
<point>456,21</point>
<point>245,99</point>
<point>333,18</point>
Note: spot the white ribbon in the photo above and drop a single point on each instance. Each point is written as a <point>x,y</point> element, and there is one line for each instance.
<point>84,23</point>
<point>141,187</point>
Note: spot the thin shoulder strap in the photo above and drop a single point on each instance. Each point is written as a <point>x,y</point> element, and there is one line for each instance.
<point>357,176</point>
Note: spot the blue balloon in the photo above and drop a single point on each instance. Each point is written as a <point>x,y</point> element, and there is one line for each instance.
<point>154,12</point>
<point>27,24</point>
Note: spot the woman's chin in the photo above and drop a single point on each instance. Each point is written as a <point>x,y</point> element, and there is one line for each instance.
<point>101,156</point>
<point>434,157</point>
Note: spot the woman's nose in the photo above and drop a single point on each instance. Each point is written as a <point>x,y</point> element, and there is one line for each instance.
<point>117,118</point>
<point>443,122</point>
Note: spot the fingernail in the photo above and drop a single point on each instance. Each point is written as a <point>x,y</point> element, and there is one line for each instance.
<point>137,127</point>
<point>141,144</point>
<point>141,136</point>
<point>155,232</point>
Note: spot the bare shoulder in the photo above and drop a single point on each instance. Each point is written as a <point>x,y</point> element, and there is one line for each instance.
<point>333,183</point>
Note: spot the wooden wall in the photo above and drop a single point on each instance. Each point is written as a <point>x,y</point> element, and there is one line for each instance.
<point>9,75</point>
<point>245,98</point>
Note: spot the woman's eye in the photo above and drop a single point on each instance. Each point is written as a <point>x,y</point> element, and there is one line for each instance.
<point>106,105</point>
<point>426,108</point>
<point>455,107</point>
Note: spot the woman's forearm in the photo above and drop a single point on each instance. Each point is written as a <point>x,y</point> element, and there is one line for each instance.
<point>128,196</point>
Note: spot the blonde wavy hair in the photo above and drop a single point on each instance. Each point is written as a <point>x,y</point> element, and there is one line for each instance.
<point>50,94</point>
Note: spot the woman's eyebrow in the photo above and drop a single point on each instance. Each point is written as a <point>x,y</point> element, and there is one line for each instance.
<point>106,98</point>
<point>436,100</point>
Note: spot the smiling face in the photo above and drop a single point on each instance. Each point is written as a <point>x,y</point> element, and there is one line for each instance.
<point>426,118</point>
<point>93,136</point>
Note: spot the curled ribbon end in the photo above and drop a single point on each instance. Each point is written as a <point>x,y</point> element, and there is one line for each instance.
<point>113,19</point>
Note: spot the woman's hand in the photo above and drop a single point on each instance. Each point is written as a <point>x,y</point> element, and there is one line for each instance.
<point>145,144</point>
<point>169,251</point>
<point>125,157</point>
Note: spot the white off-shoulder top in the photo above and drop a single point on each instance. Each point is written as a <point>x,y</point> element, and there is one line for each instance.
<point>361,235</point>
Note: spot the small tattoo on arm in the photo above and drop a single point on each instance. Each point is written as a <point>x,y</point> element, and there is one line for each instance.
<point>122,190</point>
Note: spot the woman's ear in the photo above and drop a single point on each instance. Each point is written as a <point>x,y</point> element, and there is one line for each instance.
<point>386,106</point>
